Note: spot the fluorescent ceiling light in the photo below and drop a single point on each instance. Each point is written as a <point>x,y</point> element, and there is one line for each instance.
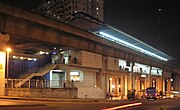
<point>74,73</point>
<point>143,76</point>
<point>119,41</point>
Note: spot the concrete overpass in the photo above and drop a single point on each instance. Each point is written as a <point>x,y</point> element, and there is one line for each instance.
<point>26,27</point>
<point>26,32</point>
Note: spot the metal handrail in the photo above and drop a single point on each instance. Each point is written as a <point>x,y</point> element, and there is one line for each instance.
<point>33,70</point>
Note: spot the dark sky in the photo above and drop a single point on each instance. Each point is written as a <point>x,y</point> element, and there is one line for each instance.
<point>140,18</point>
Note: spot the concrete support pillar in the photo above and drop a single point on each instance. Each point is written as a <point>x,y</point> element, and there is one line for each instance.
<point>150,78</point>
<point>122,86</point>
<point>114,85</point>
<point>132,77</point>
<point>4,38</point>
<point>168,84</point>
<point>102,76</point>
<point>67,82</point>
<point>136,83</point>
<point>67,75</point>
<point>176,82</point>
<point>133,82</point>
<point>146,81</point>
<point>160,83</point>
<point>117,88</point>
<point>107,84</point>
<point>130,85</point>
<point>110,83</point>
<point>2,72</point>
<point>126,85</point>
<point>163,84</point>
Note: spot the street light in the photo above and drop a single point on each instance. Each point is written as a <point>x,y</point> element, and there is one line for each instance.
<point>8,50</point>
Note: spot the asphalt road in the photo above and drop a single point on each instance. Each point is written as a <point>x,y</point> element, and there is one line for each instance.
<point>7,104</point>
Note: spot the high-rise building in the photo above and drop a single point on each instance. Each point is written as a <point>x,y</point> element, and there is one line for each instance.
<point>63,10</point>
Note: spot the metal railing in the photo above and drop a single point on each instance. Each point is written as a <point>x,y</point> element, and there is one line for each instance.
<point>33,70</point>
<point>41,83</point>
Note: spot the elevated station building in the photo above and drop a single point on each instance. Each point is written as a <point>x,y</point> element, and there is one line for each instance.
<point>48,55</point>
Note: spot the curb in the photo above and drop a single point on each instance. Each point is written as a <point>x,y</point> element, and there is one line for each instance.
<point>22,105</point>
<point>64,100</point>
<point>52,99</point>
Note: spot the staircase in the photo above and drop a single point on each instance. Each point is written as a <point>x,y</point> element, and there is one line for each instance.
<point>41,72</point>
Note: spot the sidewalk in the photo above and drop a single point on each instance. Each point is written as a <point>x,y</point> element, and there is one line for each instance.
<point>64,100</point>
<point>52,99</point>
<point>11,103</point>
<point>20,104</point>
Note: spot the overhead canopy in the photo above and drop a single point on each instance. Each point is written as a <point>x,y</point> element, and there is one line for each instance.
<point>124,39</point>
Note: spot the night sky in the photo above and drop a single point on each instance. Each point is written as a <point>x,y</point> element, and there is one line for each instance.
<point>140,18</point>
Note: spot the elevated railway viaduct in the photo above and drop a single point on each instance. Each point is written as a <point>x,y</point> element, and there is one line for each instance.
<point>24,27</point>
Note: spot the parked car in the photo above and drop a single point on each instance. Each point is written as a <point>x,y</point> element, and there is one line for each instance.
<point>151,93</point>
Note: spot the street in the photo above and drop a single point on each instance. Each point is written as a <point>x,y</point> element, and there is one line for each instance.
<point>9,104</point>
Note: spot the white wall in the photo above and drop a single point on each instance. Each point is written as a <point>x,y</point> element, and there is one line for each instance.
<point>91,60</point>
<point>89,80</point>
<point>112,64</point>
<point>90,92</point>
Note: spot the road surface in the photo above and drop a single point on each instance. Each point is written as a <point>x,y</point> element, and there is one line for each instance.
<point>9,104</point>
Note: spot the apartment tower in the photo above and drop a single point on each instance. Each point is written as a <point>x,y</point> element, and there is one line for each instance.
<point>63,10</point>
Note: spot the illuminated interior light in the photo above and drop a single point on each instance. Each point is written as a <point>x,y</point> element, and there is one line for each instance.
<point>143,75</point>
<point>14,56</point>
<point>47,53</point>
<point>21,58</point>
<point>176,92</point>
<point>113,86</point>
<point>172,79</point>
<point>119,41</point>
<point>74,73</point>
<point>41,52</point>
<point>110,78</point>
<point>35,59</point>
<point>30,59</point>
<point>62,52</point>
<point>8,49</point>
<point>54,53</point>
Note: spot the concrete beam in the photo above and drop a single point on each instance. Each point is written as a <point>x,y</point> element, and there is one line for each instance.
<point>33,27</point>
